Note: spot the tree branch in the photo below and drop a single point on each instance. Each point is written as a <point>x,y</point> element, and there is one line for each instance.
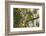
<point>35,18</point>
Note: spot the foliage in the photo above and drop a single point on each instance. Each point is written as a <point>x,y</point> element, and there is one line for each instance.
<point>23,15</point>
